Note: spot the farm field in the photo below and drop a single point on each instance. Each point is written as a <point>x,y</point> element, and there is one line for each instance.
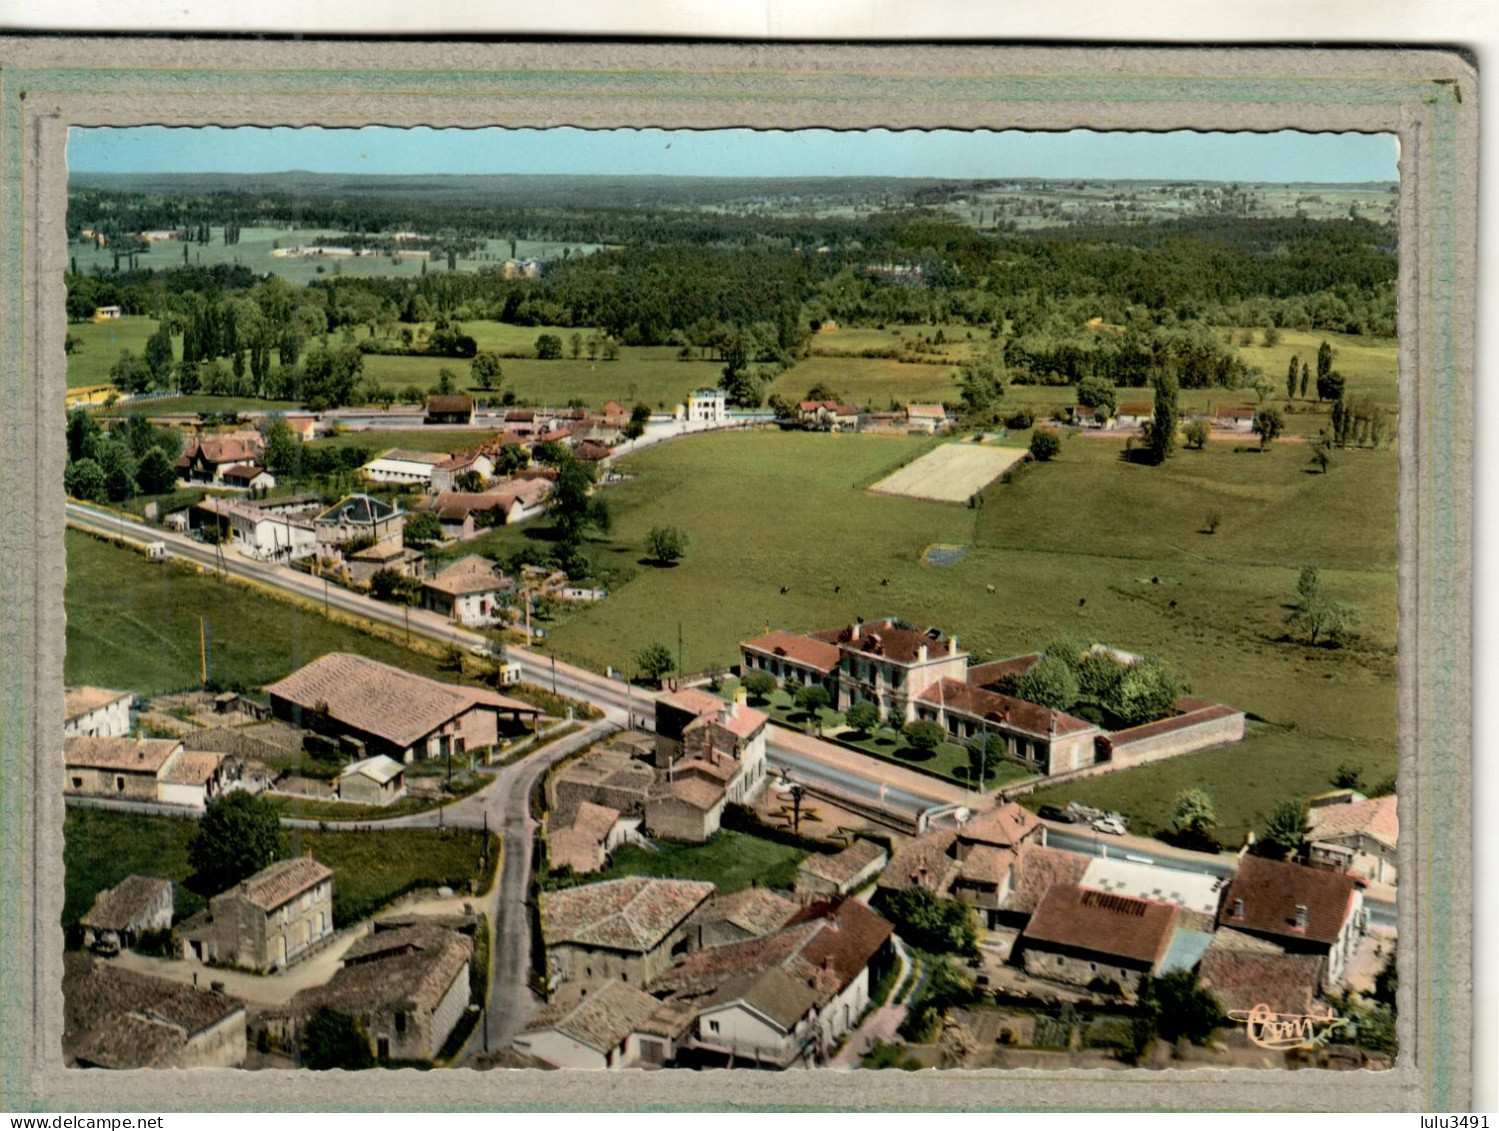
<point>951,473</point>
<point>134,624</point>
<point>1371,365</point>
<point>370,869</point>
<point>1087,543</point>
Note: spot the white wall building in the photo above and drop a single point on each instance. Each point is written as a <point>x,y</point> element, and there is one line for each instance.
<point>96,712</point>
<point>707,406</point>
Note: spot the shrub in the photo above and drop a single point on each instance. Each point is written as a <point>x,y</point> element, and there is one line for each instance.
<point>1045,444</point>
<point>1020,419</point>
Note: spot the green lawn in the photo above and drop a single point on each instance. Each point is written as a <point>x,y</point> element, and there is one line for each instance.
<point>134,624</point>
<point>100,344</point>
<point>370,868</point>
<point>731,860</point>
<point>872,382</point>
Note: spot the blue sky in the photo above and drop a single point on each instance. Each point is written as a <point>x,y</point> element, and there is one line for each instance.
<point>1184,155</point>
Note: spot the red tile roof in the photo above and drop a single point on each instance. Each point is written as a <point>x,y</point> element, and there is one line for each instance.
<point>1271,890</point>
<point>1039,869</point>
<point>991,705</point>
<point>1377,818</point>
<point>893,640</point>
<point>803,650</point>
<point>1136,408</point>
<point>990,674</point>
<point>135,755</point>
<point>454,402</point>
<point>1241,979</point>
<point>1095,921</point>
<point>282,882</point>
<point>1004,826</point>
<point>1234,412</point>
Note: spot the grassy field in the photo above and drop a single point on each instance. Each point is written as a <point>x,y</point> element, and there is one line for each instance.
<point>134,624</point>
<point>100,344</point>
<point>1369,364</point>
<point>731,860</point>
<point>370,868</point>
<point>1087,543</point>
<point>872,382</point>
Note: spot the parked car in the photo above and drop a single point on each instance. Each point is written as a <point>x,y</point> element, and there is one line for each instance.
<point>1056,813</point>
<point>1108,825</point>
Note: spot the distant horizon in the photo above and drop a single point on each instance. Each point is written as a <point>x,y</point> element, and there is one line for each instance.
<point>1283,157</point>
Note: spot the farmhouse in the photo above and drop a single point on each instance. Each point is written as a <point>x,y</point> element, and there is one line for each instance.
<point>1351,833</point>
<point>116,1018</point>
<point>385,710</point>
<point>449,409</point>
<point>1132,414</point>
<point>626,929</point>
<point>828,416</point>
<point>267,922</point>
<point>96,712</point>
<point>407,988</point>
<point>928,418</point>
<point>1080,936</point>
<point>707,406</point>
<point>614,1027</point>
<point>140,769</point>
<point>1243,972</point>
<point>1303,910</point>
<point>372,781</point>
<point>357,518</point>
<point>606,777</point>
<point>121,913</point>
<point>401,466</point>
<point>1234,418</point>
<point>470,591</point>
<point>465,515</point>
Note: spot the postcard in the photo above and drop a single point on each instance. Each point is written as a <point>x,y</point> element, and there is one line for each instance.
<point>853,577</point>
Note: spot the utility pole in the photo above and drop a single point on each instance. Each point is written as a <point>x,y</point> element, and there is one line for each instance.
<point>681,671</point>
<point>554,673</point>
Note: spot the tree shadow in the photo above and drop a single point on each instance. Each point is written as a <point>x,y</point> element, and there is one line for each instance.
<point>912,754</point>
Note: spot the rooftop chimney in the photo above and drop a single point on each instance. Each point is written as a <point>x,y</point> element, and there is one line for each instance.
<point>921,654</point>
<point>1302,917</point>
<point>1238,909</point>
<point>952,645</point>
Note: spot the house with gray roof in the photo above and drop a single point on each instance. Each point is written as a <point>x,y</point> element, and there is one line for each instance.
<point>119,914</point>
<point>627,929</point>
<point>275,918</point>
<point>408,988</point>
<point>357,519</point>
<point>116,1018</point>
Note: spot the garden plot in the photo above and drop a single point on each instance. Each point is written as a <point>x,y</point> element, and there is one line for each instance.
<point>951,473</point>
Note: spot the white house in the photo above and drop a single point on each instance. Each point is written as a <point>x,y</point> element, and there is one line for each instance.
<point>261,533</point>
<point>96,712</point>
<point>707,406</point>
<point>615,1026</point>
